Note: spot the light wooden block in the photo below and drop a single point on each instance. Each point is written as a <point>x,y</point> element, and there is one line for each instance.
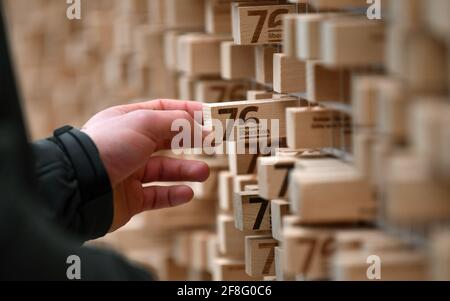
<point>440,249</point>
<point>365,91</point>
<point>237,61</point>
<point>279,270</point>
<point>278,209</point>
<point>226,191</point>
<point>264,64</point>
<point>260,255</point>
<point>213,91</point>
<point>323,5</point>
<point>414,199</point>
<point>315,128</point>
<point>352,42</point>
<point>199,253</point>
<point>231,115</point>
<point>258,94</point>
<point>230,240</point>
<point>185,14</point>
<point>308,41</point>
<point>231,270</point>
<point>191,54</point>
<point>218,16</point>
<point>327,84</point>
<point>242,157</point>
<point>325,197</point>
<point>289,74</point>
<point>259,24</point>
<point>273,176</point>
<point>251,212</point>
<point>307,252</point>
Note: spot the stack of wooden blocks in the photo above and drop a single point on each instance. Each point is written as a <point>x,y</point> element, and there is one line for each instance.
<point>359,169</point>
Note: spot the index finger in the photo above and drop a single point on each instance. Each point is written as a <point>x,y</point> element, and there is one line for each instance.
<point>164,105</point>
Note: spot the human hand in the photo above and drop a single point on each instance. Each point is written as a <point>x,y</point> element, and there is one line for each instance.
<point>126,137</point>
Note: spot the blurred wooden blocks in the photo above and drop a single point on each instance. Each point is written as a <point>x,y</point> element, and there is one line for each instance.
<point>258,94</point>
<point>279,270</point>
<point>325,197</point>
<point>191,57</point>
<point>185,14</point>
<point>278,209</point>
<point>230,239</point>
<point>238,61</point>
<point>260,255</point>
<point>231,270</point>
<point>440,248</point>
<point>218,16</point>
<point>226,192</point>
<point>240,181</point>
<point>414,199</point>
<point>308,40</point>
<point>352,42</point>
<point>251,212</point>
<point>255,24</point>
<point>239,120</point>
<point>264,64</point>
<point>199,260</point>
<point>322,5</point>
<point>365,101</point>
<point>307,252</point>
<point>242,156</point>
<point>210,91</point>
<point>315,128</point>
<point>327,84</point>
<point>289,74</point>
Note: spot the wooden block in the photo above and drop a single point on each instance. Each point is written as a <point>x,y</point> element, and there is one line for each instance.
<point>258,94</point>
<point>185,14</point>
<point>440,249</point>
<point>186,87</point>
<point>352,42</point>
<point>315,128</point>
<point>226,191</point>
<point>182,249</point>
<point>149,45</point>
<point>218,16</point>
<point>212,247</point>
<point>392,115</point>
<point>414,199</point>
<point>308,40</point>
<point>260,255</point>
<point>258,24</point>
<point>171,49</point>
<point>307,252</point>
<point>436,16</point>
<point>323,5</point>
<point>426,67</point>
<point>273,176</point>
<point>264,64</point>
<point>191,54</point>
<point>365,101</point>
<point>239,182</point>
<point>278,209</point>
<point>199,253</point>
<point>279,270</point>
<point>289,34</point>
<point>242,157</point>
<point>238,61</point>
<point>320,197</point>
<point>251,212</point>
<point>289,74</point>
<point>230,116</point>
<point>230,239</point>
<point>231,270</point>
<point>213,91</point>
<point>327,84</point>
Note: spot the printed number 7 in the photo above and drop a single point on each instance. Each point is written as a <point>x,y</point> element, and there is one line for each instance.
<point>270,257</point>
<point>262,211</point>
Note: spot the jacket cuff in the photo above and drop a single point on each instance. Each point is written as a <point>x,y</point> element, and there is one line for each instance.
<point>94,183</point>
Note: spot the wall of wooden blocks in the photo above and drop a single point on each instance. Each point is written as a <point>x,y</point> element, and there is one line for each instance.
<point>362,166</point>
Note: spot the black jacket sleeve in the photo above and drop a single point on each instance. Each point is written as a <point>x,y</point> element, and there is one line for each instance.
<point>74,183</point>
